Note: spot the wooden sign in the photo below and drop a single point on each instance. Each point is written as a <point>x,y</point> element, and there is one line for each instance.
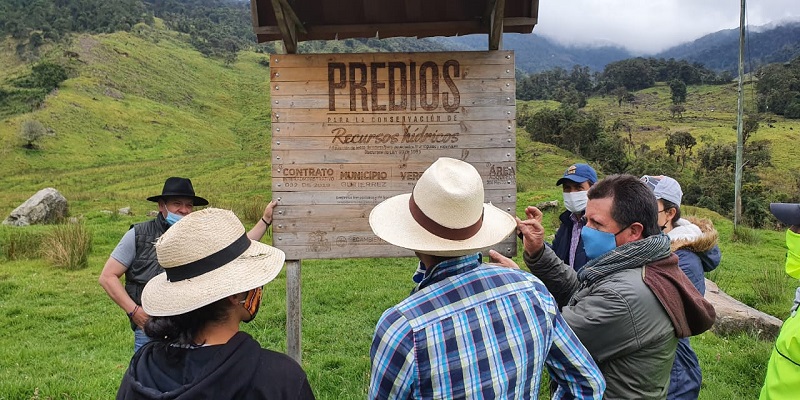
<point>350,130</point>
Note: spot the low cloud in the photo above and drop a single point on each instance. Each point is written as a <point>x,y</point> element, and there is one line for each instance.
<point>647,27</point>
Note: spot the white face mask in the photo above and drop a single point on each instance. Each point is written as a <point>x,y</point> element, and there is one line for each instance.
<point>576,201</point>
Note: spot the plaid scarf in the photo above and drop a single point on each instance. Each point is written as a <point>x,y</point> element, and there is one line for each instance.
<point>630,255</point>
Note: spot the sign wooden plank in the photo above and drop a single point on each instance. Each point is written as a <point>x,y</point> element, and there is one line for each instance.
<point>372,125</point>
<point>362,103</point>
<point>291,213</point>
<point>323,88</point>
<point>362,138</point>
<point>403,153</point>
<point>499,113</point>
<point>351,130</point>
<point>281,74</point>
<point>326,240</point>
<point>346,247</point>
<point>298,225</point>
<point>394,177</point>
<point>323,60</point>
<point>358,196</point>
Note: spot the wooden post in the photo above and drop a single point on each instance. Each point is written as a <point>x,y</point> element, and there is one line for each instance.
<point>737,180</point>
<point>294,313</point>
<point>496,25</point>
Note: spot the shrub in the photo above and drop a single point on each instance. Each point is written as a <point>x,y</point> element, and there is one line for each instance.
<point>68,246</point>
<point>21,244</point>
<point>32,131</point>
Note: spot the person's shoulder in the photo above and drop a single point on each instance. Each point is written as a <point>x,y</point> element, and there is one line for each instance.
<point>278,358</point>
<point>280,363</point>
<point>509,277</point>
<point>627,282</point>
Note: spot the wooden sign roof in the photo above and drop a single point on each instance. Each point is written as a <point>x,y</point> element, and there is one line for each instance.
<point>294,21</point>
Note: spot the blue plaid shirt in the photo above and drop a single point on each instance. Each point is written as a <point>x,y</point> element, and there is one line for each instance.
<point>478,331</point>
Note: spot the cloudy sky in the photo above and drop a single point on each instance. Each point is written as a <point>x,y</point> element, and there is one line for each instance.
<point>649,26</point>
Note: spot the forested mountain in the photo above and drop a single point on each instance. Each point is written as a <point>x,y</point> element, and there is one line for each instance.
<point>720,50</point>
<point>536,53</point>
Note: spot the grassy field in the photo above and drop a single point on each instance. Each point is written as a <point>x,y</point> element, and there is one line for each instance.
<point>143,106</point>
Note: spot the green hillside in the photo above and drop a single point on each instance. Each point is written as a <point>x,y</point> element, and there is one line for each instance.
<point>136,100</point>
<point>145,105</point>
<point>710,117</point>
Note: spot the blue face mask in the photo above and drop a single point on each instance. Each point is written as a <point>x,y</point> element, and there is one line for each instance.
<point>172,218</point>
<point>596,243</point>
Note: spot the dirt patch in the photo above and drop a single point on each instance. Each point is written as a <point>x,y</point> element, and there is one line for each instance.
<point>113,93</point>
<point>87,47</point>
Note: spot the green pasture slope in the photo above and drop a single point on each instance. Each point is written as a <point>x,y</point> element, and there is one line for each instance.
<point>144,106</point>
<point>710,117</point>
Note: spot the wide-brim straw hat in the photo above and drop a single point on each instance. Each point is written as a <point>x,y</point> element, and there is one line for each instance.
<point>206,257</point>
<point>444,215</point>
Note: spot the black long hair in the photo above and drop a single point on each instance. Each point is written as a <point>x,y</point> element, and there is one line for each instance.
<point>181,330</point>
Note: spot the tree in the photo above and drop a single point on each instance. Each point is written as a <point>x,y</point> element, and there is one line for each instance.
<point>778,85</point>
<point>35,40</point>
<point>579,132</point>
<point>678,89</point>
<point>47,76</point>
<point>634,74</point>
<point>683,141</point>
<point>792,110</point>
<point>31,131</point>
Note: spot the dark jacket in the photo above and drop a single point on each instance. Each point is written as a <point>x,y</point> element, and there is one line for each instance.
<point>694,241</point>
<point>239,369</point>
<point>620,321</point>
<point>563,239</point>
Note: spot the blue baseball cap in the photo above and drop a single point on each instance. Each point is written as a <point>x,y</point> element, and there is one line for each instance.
<point>787,213</point>
<point>579,173</point>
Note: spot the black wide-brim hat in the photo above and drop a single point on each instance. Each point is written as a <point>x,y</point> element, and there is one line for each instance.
<point>179,187</point>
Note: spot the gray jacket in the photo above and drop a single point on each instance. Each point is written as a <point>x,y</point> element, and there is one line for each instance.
<point>621,323</point>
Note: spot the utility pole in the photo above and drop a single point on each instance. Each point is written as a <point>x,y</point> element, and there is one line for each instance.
<point>737,191</point>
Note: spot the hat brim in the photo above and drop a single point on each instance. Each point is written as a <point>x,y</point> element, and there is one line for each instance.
<point>391,221</point>
<point>258,265</point>
<point>787,213</point>
<point>573,178</point>
<point>198,201</point>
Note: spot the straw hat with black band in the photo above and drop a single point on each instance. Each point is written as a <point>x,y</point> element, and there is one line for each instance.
<point>179,187</point>
<point>444,215</point>
<point>207,256</point>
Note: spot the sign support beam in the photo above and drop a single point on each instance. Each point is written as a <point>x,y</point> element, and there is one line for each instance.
<point>294,313</point>
<point>496,31</point>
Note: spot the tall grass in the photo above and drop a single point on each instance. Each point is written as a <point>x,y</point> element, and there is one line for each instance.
<point>250,210</point>
<point>68,246</point>
<point>20,243</point>
<point>773,285</point>
<point>746,235</point>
